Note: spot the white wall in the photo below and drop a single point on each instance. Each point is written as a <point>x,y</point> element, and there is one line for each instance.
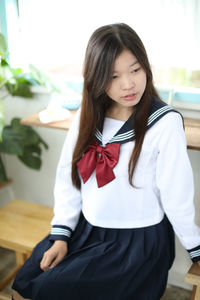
<point>37,186</point>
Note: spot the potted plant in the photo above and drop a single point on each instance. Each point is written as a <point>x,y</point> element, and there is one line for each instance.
<point>16,139</point>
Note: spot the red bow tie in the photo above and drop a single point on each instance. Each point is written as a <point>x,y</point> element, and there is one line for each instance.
<point>104,159</point>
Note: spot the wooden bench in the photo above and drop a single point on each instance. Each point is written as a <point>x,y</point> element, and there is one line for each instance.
<point>22,226</point>
<point>193,277</point>
<point>4,296</point>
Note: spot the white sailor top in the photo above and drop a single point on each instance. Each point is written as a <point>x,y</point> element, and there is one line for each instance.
<point>163,180</point>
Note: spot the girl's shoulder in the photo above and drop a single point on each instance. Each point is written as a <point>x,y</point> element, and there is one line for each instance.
<point>172,119</point>
<point>170,123</point>
<point>167,131</point>
<point>163,116</point>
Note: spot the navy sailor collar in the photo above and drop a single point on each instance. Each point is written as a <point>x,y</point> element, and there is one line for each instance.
<point>126,133</point>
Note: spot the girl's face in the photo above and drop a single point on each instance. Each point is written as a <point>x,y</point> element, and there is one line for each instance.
<point>128,81</point>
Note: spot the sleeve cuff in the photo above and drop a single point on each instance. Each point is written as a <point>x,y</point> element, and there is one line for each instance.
<point>59,232</point>
<point>194,254</point>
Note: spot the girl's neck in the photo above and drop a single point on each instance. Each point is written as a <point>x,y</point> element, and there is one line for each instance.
<point>119,113</point>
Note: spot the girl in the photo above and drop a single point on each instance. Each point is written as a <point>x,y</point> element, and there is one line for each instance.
<point>123,179</point>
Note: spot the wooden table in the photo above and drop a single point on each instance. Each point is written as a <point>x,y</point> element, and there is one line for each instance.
<point>192,128</point>
<point>22,225</point>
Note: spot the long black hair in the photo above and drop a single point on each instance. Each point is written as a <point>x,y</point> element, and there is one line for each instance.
<point>104,46</point>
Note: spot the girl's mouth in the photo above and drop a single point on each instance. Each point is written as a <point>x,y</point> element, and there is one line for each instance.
<point>129,97</point>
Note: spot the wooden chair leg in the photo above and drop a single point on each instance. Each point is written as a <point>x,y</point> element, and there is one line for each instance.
<point>195,293</point>
<point>20,258</point>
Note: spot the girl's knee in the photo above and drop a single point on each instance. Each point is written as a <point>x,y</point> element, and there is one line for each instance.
<point>17,296</point>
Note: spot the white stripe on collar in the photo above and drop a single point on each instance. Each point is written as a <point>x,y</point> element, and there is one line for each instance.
<point>131,133</point>
<point>123,136</point>
<point>158,113</point>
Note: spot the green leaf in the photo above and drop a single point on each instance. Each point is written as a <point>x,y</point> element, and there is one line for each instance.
<point>4,63</point>
<point>34,149</point>
<point>2,118</point>
<point>7,75</point>
<point>3,176</point>
<point>31,157</point>
<point>43,79</point>
<point>21,89</point>
<point>29,78</point>
<point>29,136</point>
<point>22,79</point>
<point>12,142</point>
<point>3,46</point>
<point>24,142</point>
<point>16,71</point>
<point>10,87</point>
<point>15,123</point>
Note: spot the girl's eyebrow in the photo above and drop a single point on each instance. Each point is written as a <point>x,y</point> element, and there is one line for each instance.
<point>134,63</point>
<point>131,65</point>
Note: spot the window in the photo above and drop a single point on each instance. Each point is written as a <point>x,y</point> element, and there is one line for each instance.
<point>54,34</point>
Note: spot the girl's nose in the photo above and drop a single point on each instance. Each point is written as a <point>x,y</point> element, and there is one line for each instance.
<point>127,83</point>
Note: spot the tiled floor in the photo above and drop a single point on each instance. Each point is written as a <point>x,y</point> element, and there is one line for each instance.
<point>7,260</point>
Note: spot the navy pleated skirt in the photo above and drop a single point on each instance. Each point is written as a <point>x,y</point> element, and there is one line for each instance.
<point>103,264</point>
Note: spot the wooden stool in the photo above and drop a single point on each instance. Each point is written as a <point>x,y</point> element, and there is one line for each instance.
<point>193,277</point>
<point>22,226</point>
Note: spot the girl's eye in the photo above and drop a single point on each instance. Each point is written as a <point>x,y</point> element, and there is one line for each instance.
<point>114,77</point>
<point>136,70</point>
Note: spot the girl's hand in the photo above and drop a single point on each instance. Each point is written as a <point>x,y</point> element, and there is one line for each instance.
<point>54,255</point>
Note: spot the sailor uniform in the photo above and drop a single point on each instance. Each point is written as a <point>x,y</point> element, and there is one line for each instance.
<point>119,236</point>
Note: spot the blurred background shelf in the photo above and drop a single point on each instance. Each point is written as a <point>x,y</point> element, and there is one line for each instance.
<point>192,128</point>
<point>33,120</point>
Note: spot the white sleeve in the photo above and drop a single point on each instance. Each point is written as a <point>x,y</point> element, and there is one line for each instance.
<point>175,183</point>
<point>67,197</point>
